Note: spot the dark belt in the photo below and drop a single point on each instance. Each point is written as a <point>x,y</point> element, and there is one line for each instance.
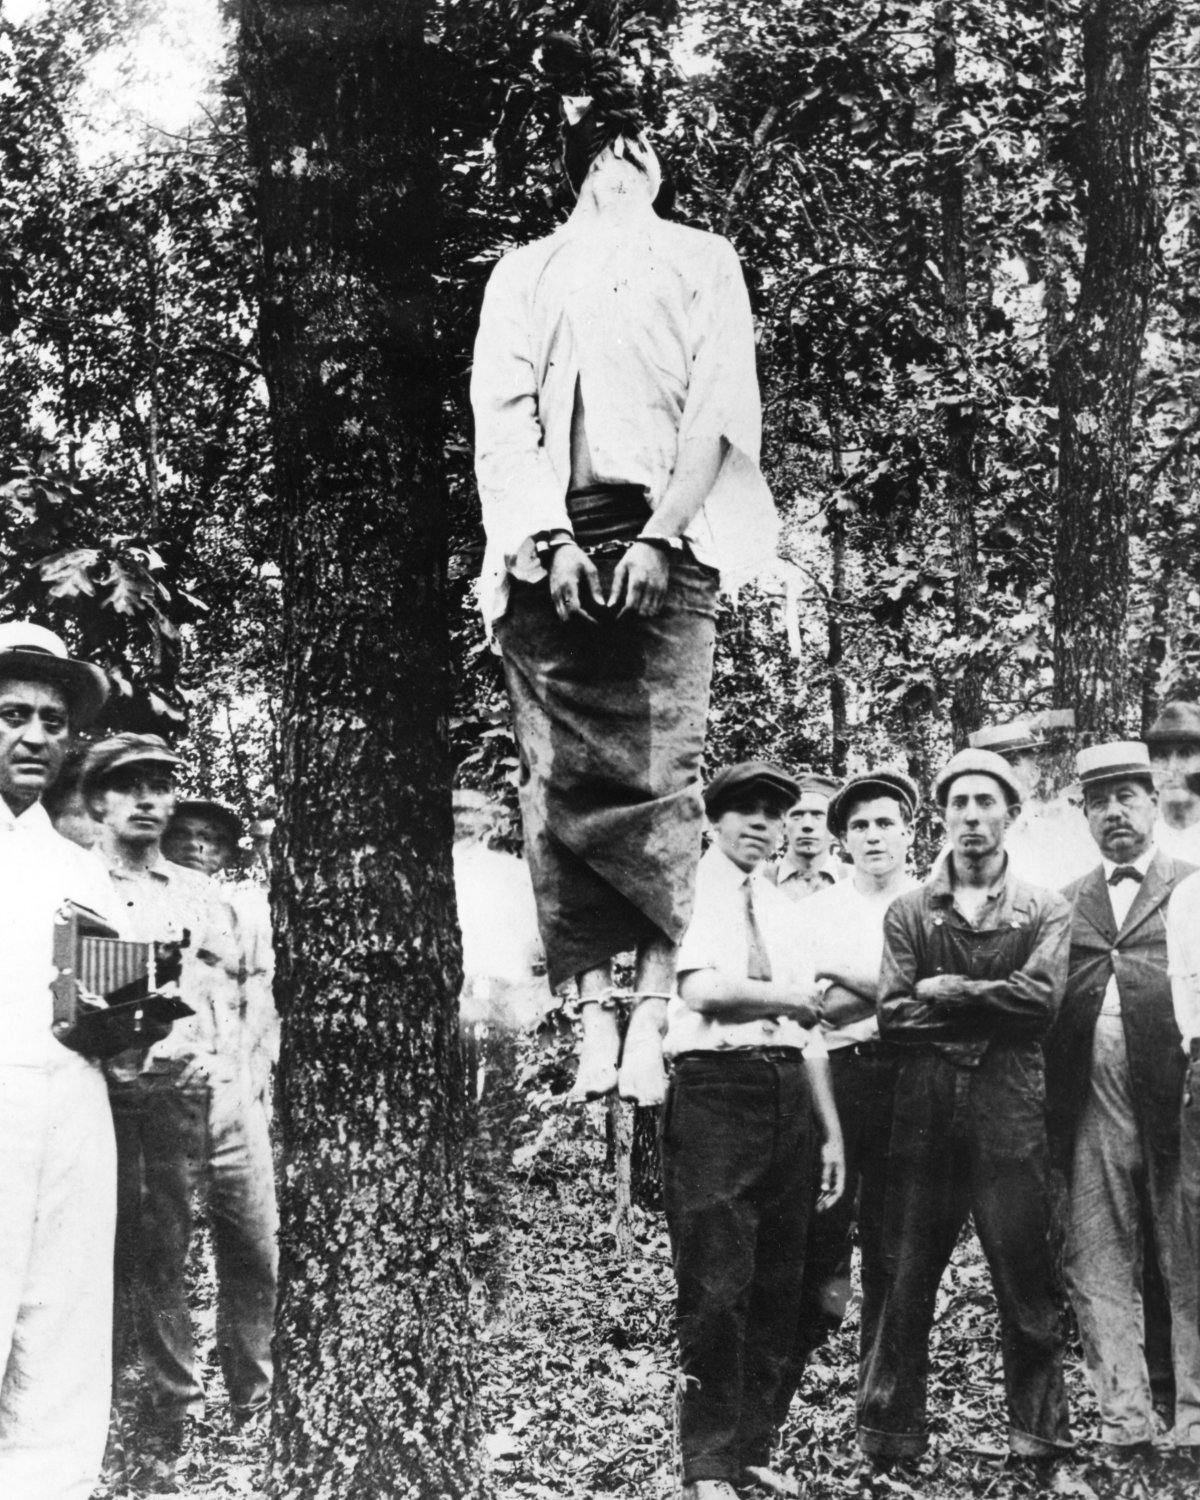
<point>766,1054</point>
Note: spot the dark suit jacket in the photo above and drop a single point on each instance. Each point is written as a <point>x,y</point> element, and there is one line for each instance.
<point>1138,955</point>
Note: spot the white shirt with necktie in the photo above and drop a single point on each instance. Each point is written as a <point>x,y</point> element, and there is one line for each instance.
<point>1121,895</point>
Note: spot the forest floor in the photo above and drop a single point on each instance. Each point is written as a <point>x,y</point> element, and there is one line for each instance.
<point>575,1353</point>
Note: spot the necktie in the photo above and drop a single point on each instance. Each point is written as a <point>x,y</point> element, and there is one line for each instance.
<point>1125,872</point>
<point>758,962</point>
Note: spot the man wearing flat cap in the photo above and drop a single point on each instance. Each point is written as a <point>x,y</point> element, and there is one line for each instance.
<point>1174,741</point>
<point>204,835</point>
<point>186,1112</point>
<point>748,1111</point>
<point>1048,841</point>
<point>974,966</point>
<point>808,864</point>
<point>872,817</point>
<point>1115,1077</point>
<point>57,1160</point>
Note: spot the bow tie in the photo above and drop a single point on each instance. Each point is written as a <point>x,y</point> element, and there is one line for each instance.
<point>1125,872</point>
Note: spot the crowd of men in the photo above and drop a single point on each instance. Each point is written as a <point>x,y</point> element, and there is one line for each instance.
<point>851,1046</point>
<point>104,1150</point>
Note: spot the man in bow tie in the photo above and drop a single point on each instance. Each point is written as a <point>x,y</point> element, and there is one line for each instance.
<point>1115,1069</point>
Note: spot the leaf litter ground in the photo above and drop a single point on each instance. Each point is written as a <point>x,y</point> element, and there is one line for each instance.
<point>575,1352</point>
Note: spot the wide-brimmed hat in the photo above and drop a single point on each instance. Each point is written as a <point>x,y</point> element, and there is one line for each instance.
<point>872,784</point>
<point>733,781</point>
<point>109,756</point>
<point>31,653</point>
<point>972,762</point>
<point>1178,724</point>
<point>1119,760</point>
<point>215,812</point>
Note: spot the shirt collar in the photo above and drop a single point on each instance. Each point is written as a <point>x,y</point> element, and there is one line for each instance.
<point>1141,864</point>
<point>35,819</point>
<point>941,882</point>
<point>790,871</point>
<point>726,870</point>
<point>161,869</point>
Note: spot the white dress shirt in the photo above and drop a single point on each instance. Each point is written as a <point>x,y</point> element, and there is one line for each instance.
<point>1121,897</point>
<point>718,938</point>
<point>650,321</point>
<point>39,871</point>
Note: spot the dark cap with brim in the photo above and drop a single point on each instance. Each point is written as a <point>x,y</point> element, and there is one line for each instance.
<point>213,812</point>
<point>1178,724</point>
<point>977,763</point>
<point>871,784</point>
<point>814,781</point>
<point>107,757</point>
<point>31,653</point>
<point>749,776</point>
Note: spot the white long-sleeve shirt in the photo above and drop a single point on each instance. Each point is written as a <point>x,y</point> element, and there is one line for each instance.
<point>650,321</point>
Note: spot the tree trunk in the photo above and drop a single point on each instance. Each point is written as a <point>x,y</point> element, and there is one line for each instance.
<point>1096,369</point>
<point>966,703</point>
<point>373,1391</point>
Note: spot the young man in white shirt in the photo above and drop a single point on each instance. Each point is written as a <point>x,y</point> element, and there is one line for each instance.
<point>1174,741</point>
<point>1183,948</point>
<point>748,1098</point>
<point>872,816</point>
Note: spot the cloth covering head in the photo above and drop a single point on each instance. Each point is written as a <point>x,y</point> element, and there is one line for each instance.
<point>600,110</point>
<point>1178,724</point>
<point>31,653</point>
<point>1119,760</point>
<point>216,813</point>
<point>107,757</point>
<point>749,777</point>
<point>977,763</point>
<point>869,785</point>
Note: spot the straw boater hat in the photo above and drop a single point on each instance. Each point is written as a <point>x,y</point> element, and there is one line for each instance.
<point>1014,738</point>
<point>976,763</point>
<point>30,653</point>
<point>1119,760</point>
<point>872,784</point>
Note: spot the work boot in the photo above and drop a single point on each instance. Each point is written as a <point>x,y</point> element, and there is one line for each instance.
<point>709,1489</point>
<point>641,1077</point>
<point>597,1073</point>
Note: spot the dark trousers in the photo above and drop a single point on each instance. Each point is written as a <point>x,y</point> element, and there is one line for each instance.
<point>738,1139</point>
<point>864,1078</point>
<point>967,1140</point>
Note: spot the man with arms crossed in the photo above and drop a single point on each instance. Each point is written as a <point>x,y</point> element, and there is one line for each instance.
<point>872,817</point>
<point>748,1096</point>
<point>974,967</point>
<point>57,1160</point>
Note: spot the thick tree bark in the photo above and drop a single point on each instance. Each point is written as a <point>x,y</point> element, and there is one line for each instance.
<point>1096,366</point>
<point>373,1390</point>
<point>966,702</point>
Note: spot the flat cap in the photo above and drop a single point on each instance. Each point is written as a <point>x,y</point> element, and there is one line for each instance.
<point>1178,724</point>
<point>31,653</point>
<point>977,763</point>
<point>748,775</point>
<point>106,757</point>
<point>814,781</point>
<point>872,784</point>
<point>1119,760</point>
<point>214,812</point>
